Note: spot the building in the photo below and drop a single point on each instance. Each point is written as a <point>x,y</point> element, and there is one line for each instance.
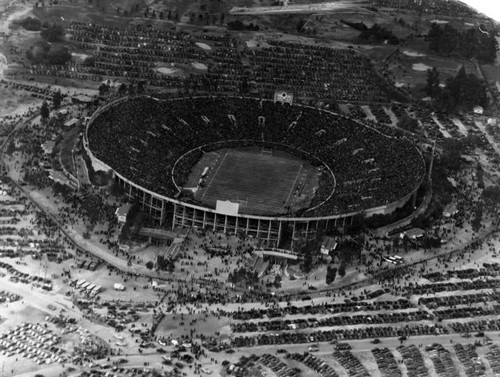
<point>413,234</point>
<point>71,122</point>
<point>328,244</point>
<point>450,210</point>
<point>171,212</point>
<point>121,213</point>
<point>478,110</point>
<point>49,146</point>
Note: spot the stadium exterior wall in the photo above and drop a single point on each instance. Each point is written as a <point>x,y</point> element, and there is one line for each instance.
<point>267,228</point>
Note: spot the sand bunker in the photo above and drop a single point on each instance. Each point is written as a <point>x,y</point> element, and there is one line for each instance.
<point>166,71</point>
<point>413,54</point>
<point>199,66</point>
<point>204,46</point>
<point>420,67</point>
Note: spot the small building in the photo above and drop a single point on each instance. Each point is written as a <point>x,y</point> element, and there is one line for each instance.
<point>121,213</point>
<point>118,287</point>
<point>81,99</point>
<point>450,210</point>
<point>413,234</point>
<point>492,121</point>
<point>71,122</point>
<point>49,146</point>
<point>478,110</point>
<point>328,244</point>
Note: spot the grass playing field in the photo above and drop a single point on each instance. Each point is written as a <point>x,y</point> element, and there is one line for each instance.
<point>264,183</point>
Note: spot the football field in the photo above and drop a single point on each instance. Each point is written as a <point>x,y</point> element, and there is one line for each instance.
<point>263,184</point>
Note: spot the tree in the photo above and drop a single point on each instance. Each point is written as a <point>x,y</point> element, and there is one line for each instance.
<point>342,269</point>
<point>433,88</point>
<point>44,111</point>
<point>408,123</point>
<point>103,89</point>
<point>53,33</point>
<point>331,273</point>
<point>58,55</point>
<point>89,61</point>
<point>57,99</point>
<point>300,25</point>
<point>140,87</point>
<point>492,194</point>
<point>122,89</point>
<point>277,281</point>
<point>150,264</point>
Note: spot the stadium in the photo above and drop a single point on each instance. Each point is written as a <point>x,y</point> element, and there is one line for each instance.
<point>251,166</point>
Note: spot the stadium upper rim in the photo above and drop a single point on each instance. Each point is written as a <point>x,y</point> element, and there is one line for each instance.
<point>306,216</point>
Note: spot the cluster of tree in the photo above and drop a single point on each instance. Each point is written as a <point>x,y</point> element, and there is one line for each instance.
<point>309,250</point>
<point>360,26</point>
<point>471,43</point>
<point>53,33</point>
<point>29,23</point>
<point>331,274</point>
<point>491,195</point>
<point>347,250</point>
<point>243,276</point>
<point>460,93</point>
<point>238,25</point>
<point>165,264</point>
<point>478,217</point>
<point>408,123</point>
<point>43,53</point>
<point>480,176</point>
<point>378,34</point>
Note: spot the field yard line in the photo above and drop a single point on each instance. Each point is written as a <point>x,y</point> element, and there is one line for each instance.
<point>293,186</point>
<point>213,177</point>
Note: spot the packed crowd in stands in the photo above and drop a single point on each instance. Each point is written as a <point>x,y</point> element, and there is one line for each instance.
<point>366,175</point>
<point>313,72</point>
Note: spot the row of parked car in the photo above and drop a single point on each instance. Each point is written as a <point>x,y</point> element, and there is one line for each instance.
<point>345,307</point>
<point>440,301</point>
<point>337,334</point>
<point>314,363</point>
<point>468,356</point>
<point>304,323</point>
<point>386,362</point>
<point>23,277</point>
<point>422,289</point>
<point>32,341</point>
<point>441,358</point>
<point>6,296</point>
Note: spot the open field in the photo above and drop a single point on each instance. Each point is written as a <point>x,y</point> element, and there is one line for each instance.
<point>264,183</point>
